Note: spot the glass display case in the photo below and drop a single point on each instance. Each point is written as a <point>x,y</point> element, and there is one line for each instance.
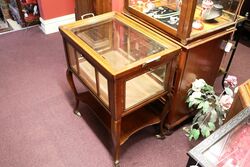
<point>186,19</point>
<point>125,67</point>
<point>228,146</point>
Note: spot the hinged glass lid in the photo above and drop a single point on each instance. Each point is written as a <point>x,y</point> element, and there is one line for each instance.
<point>118,43</point>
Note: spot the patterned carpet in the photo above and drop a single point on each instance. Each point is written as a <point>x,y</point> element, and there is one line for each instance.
<point>38,128</point>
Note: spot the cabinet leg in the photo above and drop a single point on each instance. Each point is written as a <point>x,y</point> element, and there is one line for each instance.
<point>165,111</point>
<point>116,134</point>
<point>117,163</point>
<point>72,85</point>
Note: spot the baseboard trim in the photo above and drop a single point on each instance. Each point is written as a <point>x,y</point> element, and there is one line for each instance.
<point>51,25</point>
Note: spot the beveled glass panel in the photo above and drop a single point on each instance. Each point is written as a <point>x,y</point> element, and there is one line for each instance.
<point>165,11</point>
<point>117,43</point>
<point>145,86</point>
<point>87,72</point>
<point>103,88</point>
<point>213,14</point>
<point>72,57</point>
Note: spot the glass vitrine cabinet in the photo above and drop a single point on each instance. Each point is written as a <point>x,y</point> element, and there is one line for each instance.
<point>186,19</point>
<point>125,67</point>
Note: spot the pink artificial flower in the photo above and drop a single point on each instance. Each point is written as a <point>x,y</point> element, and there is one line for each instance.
<point>226,102</point>
<point>231,81</point>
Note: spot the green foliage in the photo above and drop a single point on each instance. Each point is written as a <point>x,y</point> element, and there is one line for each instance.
<point>209,111</point>
<point>194,134</point>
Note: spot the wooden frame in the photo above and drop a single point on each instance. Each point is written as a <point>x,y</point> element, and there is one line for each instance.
<point>196,154</point>
<point>121,120</point>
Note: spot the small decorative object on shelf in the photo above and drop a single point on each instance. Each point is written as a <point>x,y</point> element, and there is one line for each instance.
<point>197,25</point>
<point>25,12</point>
<point>210,10</point>
<point>207,5</point>
<point>211,109</point>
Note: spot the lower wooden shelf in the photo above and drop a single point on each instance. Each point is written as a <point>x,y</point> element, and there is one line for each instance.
<point>130,123</point>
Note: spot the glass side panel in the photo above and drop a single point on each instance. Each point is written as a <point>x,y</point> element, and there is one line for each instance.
<point>144,86</point>
<point>103,88</point>
<point>232,149</point>
<point>119,44</point>
<point>87,72</point>
<point>71,54</point>
<point>213,14</point>
<point>165,11</point>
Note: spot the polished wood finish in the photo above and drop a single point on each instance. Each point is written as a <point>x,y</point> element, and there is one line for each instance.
<point>92,6</point>
<point>103,6</point>
<point>194,63</point>
<point>241,100</point>
<point>82,7</point>
<point>120,120</point>
<point>187,14</point>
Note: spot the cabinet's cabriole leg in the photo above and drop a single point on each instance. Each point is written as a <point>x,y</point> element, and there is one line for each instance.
<point>165,111</point>
<point>168,132</point>
<point>117,163</point>
<point>116,134</point>
<point>72,85</point>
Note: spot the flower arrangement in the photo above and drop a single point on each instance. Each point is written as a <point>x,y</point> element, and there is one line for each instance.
<point>211,109</point>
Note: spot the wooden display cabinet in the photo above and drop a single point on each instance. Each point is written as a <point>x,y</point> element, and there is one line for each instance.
<point>202,48</point>
<point>126,68</point>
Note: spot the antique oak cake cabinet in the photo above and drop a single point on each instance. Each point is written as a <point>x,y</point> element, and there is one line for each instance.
<point>139,64</point>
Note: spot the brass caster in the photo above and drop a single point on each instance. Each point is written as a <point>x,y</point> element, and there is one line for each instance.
<point>160,136</point>
<point>168,132</point>
<point>117,163</point>
<point>78,113</point>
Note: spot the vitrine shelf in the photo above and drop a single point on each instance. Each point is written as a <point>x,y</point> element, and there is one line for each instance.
<point>130,123</point>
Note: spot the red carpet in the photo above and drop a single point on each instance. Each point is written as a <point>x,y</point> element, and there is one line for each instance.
<point>38,128</point>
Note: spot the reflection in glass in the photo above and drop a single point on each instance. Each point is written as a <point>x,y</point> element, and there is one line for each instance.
<point>103,88</point>
<point>87,72</point>
<point>231,150</point>
<point>72,57</point>
<point>119,44</point>
<point>144,86</point>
